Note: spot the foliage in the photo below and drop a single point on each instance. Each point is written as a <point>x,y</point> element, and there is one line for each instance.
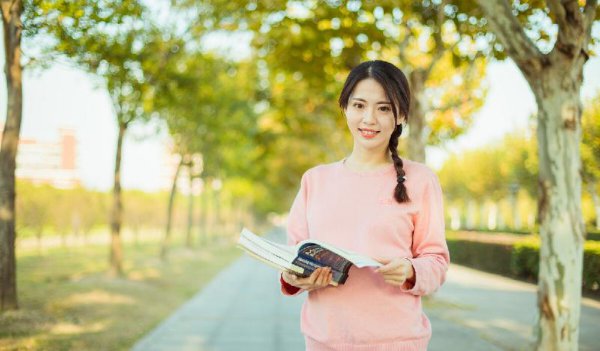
<point>53,211</point>
<point>526,262</point>
<point>590,145</point>
<point>479,174</point>
<point>321,42</point>
<point>488,257</point>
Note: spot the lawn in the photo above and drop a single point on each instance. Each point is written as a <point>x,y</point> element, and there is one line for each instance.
<point>69,302</point>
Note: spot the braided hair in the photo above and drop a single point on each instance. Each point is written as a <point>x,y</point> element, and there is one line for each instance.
<point>396,88</point>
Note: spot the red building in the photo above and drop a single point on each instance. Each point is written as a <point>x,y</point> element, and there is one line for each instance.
<point>49,162</point>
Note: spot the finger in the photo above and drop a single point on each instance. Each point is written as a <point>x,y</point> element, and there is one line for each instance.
<point>323,277</point>
<point>384,261</point>
<point>311,282</point>
<point>395,282</point>
<point>387,268</point>
<point>314,276</point>
<point>289,278</point>
<point>328,277</point>
<point>394,273</point>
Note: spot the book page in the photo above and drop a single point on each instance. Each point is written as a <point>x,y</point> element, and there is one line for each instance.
<point>281,251</point>
<point>273,259</point>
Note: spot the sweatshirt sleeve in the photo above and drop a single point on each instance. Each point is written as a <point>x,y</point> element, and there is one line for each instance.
<point>430,251</point>
<point>297,226</point>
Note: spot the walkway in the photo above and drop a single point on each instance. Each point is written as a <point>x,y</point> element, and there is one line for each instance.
<point>242,309</point>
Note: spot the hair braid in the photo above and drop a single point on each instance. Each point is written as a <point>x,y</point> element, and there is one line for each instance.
<point>400,193</point>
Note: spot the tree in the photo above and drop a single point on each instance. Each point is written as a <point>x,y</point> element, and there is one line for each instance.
<point>490,180</point>
<point>554,71</point>
<point>11,11</point>
<point>208,105</point>
<point>130,55</point>
<point>319,42</point>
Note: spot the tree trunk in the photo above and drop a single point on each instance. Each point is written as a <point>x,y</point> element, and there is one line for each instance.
<point>203,227</point>
<point>416,119</point>
<point>190,222</point>
<point>470,220</point>
<point>167,238</point>
<point>116,250</point>
<point>492,221</point>
<point>216,207</point>
<point>561,221</point>
<point>555,79</point>
<point>11,20</point>
<point>596,200</point>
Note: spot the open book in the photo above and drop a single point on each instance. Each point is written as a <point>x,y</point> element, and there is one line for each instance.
<point>305,257</point>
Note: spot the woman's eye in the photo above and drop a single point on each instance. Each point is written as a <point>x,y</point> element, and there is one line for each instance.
<point>385,109</point>
<point>358,105</point>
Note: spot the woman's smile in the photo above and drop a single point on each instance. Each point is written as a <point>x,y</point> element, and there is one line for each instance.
<point>368,133</point>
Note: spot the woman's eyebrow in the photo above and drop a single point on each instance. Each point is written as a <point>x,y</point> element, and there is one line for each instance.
<point>380,102</point>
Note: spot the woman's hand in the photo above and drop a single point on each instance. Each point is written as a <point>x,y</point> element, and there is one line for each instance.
<point>397,271</point>
<point>320,278</point>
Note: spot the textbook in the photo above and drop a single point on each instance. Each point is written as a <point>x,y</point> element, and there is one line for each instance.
<point>305,257</point>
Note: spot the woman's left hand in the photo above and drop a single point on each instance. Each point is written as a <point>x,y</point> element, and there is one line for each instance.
<point>397,271</point>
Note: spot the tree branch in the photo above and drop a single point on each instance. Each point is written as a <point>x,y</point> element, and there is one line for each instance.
<point>511,35</point>
<point>439,49</point>
<point>571,24</point>
<point>589,14</point>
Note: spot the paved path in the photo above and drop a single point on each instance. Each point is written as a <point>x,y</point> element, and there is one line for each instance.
<point>242,309</point>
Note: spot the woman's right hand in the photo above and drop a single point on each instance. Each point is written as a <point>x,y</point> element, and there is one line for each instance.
<point>320,278</point>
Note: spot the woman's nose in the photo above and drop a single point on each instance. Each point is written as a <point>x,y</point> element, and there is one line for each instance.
<point>368,116</point>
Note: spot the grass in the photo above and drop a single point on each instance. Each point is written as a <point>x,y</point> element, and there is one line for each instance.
<point>69,302</point>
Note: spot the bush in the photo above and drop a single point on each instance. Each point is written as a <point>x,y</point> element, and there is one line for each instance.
<point>481,255</point>
<point>591,266</point>
<point>520,259</point>
<point>595,236</point>
<point>525,261</point>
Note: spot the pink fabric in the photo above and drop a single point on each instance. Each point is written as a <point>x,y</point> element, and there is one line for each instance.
<point>357,211</point>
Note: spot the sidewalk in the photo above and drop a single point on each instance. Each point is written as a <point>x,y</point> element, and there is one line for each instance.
<point>242,309</point>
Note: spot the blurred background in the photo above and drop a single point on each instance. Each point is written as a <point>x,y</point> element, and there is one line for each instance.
<point>153,131</point>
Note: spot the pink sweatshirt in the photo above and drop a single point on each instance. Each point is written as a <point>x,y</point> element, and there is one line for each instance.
<point>357,211</point>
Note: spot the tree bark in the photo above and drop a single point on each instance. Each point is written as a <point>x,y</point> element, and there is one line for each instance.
<point>11,20</point>
<point>561,221</point>
<point>190,222</point>
<point>116,250</point>
<point>167,238</point>
<point>416,120</point>
<point>203,227</point>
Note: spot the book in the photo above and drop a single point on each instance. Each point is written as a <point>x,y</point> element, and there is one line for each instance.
<point>305,257</point>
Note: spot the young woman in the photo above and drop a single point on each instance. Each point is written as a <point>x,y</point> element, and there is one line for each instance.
<point>374,203</point>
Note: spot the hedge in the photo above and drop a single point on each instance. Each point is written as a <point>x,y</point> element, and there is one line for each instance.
<point>593,236</point>
<point>590,235</point>
<point>519,259</point>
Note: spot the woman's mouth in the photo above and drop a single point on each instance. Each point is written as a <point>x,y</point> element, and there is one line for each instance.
<point>368,133</point>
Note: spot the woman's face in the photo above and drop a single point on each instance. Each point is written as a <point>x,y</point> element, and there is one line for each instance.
<point>369,116</point>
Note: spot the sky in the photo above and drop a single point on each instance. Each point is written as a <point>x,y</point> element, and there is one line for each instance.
<point>65,97</point>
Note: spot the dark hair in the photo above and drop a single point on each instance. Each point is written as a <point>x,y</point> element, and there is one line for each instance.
<point>396,89</point>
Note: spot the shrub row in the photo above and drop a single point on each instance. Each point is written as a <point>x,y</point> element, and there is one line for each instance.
<point>593,236</point>
<point>590,235</point>
<point>519,259</point>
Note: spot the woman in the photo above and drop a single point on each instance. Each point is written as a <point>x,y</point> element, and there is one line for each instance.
<point>374,203</point>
